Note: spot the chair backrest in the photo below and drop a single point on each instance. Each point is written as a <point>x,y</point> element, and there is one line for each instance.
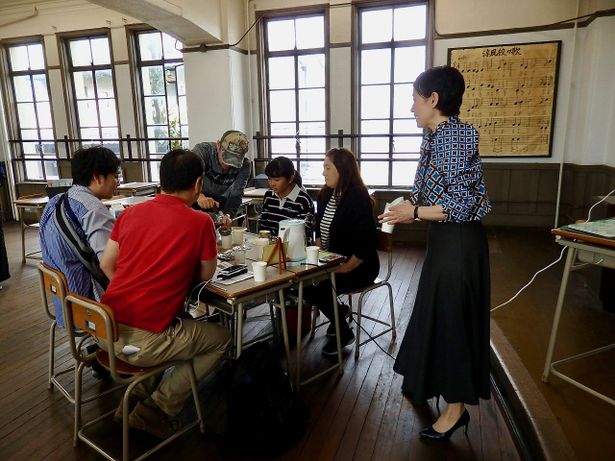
<point>385,244</point>
<point>53,285</point>
<point>94,318</point>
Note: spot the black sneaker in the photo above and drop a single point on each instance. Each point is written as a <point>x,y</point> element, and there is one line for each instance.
<point>148,417</point>
<point>330,349</point>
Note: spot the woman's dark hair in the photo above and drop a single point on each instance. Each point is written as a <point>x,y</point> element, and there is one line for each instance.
<point>88,162</point>
<point>348,169</point>
<point>448,83</point>
<point>282,167</point>
<point>179,169</point>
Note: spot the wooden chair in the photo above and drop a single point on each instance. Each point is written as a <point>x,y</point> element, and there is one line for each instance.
<point>385,245</point>
<point>53,286</point>
<point>98,320</point>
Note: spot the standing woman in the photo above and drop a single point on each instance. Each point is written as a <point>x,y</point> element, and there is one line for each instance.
<point>344,225</point>
<point>286,199</point>
<point>445,350</point>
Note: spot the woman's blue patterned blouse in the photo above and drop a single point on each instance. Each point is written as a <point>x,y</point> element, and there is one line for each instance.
<point>450,172</point>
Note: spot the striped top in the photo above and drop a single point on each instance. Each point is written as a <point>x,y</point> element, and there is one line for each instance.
<point>325,222</point>
<point>296,205</point>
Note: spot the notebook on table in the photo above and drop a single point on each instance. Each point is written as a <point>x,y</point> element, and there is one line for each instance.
<point>603,228</point>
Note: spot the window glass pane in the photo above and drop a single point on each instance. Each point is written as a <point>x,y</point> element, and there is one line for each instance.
<point>19,58</point>
<point>37,60</point>
<point>312,145</point>
<point>310,32</point>
<point>88,113</point>
<point>282,106</point>
<point>161,147</point>
<point>286,145</point>
<point>376,26</point>
<point>311,70</point>
<point>90,134</point>
<point>109,133</point>
<point>404,173</point>
<point>404,144</point>
<point>108,115</point>
<point>407,126</point>
<point>104,83</point>
<point>84,85</point>
<point>44,115</point>
<point>153,82</point>
<point>281,35</point>
<point>410,23</point>
<point>171,47</point>
<point>375,101</point>
<point>375,173</point>
<point>80,52</point>
<point>26,114</point>
<point>40,87</point>
<point>312,104</point>
<point>181,85</point>
<point>282,73</point>
<point>34,170</point>
<point>51,170</point>
<point>375,66</point>
<point>183,110</point>
<point>48,147</point>
<point>23,88</point>
<point>374,144</point>
<point>29,147</point>
<point>100,51</point>
<point>155,110</point>
<point>402,100</point>
<point>150,46</point>
<point>409,63</point>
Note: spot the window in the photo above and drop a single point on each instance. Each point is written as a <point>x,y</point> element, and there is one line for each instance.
<point>33,122</point>
<point>91,73</point>
<point>163,94</point>
<point>295,77</point>
<point>392,52</point>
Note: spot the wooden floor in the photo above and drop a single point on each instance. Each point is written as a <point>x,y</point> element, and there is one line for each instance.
<point>361,415</point>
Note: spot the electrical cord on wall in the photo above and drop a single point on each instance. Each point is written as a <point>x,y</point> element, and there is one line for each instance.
<point>561,255</point>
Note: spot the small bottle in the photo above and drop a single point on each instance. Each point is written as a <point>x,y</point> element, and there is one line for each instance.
<point>116,209</point>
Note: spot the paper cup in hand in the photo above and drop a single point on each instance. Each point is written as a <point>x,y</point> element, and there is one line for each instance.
<point>386,227</point>
<point>312,255</point>
<point>259,268</point>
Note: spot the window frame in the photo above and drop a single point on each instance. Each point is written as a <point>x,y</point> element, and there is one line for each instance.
<point>68,69</point>
<point>18,158</point>
<point>358,47</point>
<point>264,54</point>
<point>140,111</point>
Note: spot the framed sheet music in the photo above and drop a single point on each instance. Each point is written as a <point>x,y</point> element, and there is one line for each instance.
<point>510,96</point>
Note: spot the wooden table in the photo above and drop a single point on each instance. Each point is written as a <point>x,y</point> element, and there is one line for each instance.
<point>138,188</point>
<point>588,250</point>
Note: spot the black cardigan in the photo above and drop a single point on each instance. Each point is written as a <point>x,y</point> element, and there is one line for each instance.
<point>353,232</point>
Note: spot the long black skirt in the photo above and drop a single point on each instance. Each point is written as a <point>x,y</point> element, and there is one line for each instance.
<point>445,350</point>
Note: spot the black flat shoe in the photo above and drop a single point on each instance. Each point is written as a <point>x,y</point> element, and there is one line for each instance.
<point>330,348</point>
<point>432,434</point>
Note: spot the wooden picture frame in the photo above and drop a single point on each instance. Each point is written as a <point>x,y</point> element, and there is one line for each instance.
<point>510,96</point>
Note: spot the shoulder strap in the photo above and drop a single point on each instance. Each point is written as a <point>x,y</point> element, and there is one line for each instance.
<point>67,222</point>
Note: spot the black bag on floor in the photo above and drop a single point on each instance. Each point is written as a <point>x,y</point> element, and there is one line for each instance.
<point>263,410</point>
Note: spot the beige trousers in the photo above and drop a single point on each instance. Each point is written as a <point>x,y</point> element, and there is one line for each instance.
<point>183,339</point>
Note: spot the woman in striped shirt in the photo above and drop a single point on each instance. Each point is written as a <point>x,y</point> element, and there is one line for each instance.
<point>345,225</point>
<point>286,199</point>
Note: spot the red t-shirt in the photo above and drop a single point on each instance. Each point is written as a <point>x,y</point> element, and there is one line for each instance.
<point>161,245</point>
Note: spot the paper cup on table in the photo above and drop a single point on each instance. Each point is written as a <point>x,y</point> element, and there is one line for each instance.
<point>259,268</point>
<point>238,233</point>
<point>312,255</point>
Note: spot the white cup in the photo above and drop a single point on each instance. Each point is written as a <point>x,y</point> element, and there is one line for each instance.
<point>260,245</point>
<point>312,255</point>
<point>226,241</point>
<point>259,268</point>
<point>238,233</point>
<point>386,227</point>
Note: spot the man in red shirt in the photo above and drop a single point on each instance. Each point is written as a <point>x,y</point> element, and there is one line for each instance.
<point>155,252</point>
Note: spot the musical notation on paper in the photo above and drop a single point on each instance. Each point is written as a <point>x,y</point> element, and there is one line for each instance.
<point>509,96</point>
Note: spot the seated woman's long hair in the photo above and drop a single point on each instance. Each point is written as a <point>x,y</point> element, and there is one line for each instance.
<point>348,169</point>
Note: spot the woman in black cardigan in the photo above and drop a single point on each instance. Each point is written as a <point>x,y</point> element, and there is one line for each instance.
<point>345,225</point>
